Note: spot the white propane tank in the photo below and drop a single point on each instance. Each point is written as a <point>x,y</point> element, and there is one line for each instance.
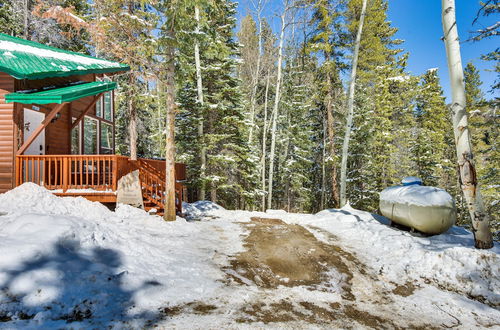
<point>430,210</point>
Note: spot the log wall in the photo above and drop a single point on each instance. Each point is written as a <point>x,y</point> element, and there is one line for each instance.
<point>7,137</point>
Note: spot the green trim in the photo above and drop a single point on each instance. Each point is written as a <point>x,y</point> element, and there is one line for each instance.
<point>26,63</point>
<point>61,95</point>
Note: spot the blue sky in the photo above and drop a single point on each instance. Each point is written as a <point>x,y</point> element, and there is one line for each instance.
<point>419,24</point>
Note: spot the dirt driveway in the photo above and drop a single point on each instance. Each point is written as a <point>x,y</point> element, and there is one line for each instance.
<point>288,278</point>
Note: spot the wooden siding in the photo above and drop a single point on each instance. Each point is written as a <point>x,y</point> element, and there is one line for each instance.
<point>57,133</point>
<point>6,134</point>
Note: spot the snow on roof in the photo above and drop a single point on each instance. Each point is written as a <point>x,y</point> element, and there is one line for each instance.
<point>9,47</point>
<point>24,59</point>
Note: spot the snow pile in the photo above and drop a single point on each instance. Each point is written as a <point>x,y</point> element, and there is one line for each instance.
<point>32,198</point>
<point>69,260</point>
<point>448,260</point>
<point>417,195</point>
<point>200,209</point>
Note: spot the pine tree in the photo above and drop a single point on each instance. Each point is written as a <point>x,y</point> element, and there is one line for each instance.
<point>230,168</point>
<point>434,131</point>
<point>383,103</point>
<point>326,40</point>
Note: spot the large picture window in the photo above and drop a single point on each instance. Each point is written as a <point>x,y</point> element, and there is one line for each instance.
<point>98,107</point>
<point>106,138</point>
<point>75,138</point>
<point>108,106</point>
<point>90,136</point>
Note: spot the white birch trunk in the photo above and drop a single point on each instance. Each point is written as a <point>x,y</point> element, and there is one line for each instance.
<point>199,83</point>
<point>255,79</point>
<point>275,111</point>
<point>468,179</point>
<point>25,23</point>
<point>264,143</point>
<point>350,109</point>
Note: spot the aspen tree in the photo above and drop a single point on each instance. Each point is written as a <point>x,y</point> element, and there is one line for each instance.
<point>276,105</point>
<point>468,178</point>
<point>350,108</point>
<point>199,86</point>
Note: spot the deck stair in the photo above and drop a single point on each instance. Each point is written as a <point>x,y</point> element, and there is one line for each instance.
<point>153,187</point>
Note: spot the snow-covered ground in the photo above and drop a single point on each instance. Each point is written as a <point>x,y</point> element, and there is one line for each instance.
<point>68,262</point>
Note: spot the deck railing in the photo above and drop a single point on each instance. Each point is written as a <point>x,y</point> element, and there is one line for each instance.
<point>97,172</point>
<point>87,173</point>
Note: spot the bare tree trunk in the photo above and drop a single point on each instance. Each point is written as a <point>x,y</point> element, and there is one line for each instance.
<point>331,141</point>
<point>350,108</point>
<point>255,79</point>
<point>468,180</point>
<point>264,143</point>
<point>275,111</point>
<point>132,125</point>
<point>170,139</point>
<point>213,195</point>
<point>199,82</point>
<point>323,169</point>
<point>26,13</point>
<point>159,95</point>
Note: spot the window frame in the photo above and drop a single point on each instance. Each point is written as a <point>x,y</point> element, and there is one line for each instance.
<point>97,135</point>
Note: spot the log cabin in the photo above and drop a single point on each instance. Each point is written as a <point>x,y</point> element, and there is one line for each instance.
<point>57,126</point>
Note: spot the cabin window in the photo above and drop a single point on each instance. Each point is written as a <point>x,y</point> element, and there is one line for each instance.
<point>108,106</point>
<point>106,138</point>
<point>90,136</point>
<point>75,138</point>
<point>98,107</point>
<point>104,106</point>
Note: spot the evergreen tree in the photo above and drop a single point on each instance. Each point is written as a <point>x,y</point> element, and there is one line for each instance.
<point>383,103</point>
<point>434,132</point>
<point>326,41</point>
<point>231,170</point>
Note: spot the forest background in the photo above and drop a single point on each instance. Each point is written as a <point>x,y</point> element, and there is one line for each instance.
<point>261,94</point>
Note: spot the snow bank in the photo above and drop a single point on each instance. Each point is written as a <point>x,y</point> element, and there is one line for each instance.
<point>200,209</point>
<point>68,259</point>
<point>448,260</point>
<point>417,195</point>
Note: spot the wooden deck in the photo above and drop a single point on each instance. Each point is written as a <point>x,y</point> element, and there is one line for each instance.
<point>95,177</point>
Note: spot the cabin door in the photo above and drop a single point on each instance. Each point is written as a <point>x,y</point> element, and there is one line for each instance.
<point>33,119</point>
<point>36,168</point>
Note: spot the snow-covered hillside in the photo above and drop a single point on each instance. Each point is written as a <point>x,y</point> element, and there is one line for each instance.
<point>70,262</point>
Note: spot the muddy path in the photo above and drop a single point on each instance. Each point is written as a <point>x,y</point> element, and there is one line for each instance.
<point>296,277</point>
<point>287,255</point>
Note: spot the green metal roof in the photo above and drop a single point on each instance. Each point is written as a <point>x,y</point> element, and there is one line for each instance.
<point>61,95</point>
<point>25,59</point>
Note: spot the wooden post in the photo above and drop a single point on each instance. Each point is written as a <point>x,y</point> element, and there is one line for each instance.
<point>115,172</point>
<point>65,173</point>
<point>18,171</point>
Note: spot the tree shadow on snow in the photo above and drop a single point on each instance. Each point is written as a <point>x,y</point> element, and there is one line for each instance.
<point>70,286</point>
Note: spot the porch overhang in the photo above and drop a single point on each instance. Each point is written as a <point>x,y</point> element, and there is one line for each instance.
<point>61,95</point>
